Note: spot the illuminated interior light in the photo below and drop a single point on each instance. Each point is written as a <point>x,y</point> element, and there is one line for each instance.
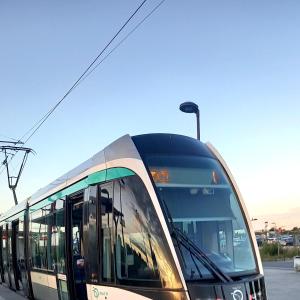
<point>214,177</point>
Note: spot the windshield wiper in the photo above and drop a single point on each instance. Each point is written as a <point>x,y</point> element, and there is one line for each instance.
<point>200,255</point>
<point>194,250</point>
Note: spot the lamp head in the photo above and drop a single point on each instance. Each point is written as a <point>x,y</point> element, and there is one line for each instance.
<point>189,107</point>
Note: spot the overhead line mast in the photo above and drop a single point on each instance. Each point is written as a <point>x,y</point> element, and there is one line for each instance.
<point>11,151</point>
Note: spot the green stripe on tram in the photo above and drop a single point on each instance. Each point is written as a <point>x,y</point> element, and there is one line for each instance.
<point>115,173</point>
<point>97,177</point>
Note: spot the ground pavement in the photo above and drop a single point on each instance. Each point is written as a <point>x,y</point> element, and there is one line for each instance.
<point>282,281</point>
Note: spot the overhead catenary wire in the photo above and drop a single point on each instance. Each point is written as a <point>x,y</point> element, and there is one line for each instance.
<point>9,138</point>
<point>90,69</point>
<point>41,121</point>
<point>121,42</point>
<point>38,124</point>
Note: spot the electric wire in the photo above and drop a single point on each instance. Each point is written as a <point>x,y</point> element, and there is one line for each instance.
<point>38,124</point>
<point>121,42</point>
<point>88,71</point>
<point>10,138</point>
<point>41,121</point>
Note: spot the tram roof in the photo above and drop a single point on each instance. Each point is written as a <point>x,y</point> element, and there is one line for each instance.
<point>121,148</point>
<point>14,210</point>
<point>124,147</point>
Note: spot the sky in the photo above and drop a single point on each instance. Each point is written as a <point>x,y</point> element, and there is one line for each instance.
<point>239,61</point>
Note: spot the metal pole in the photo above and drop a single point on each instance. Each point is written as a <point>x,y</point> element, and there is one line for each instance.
<point>14,180</point>
<point>15,196</point>
<point>277,234</point>
<point>198,124</point>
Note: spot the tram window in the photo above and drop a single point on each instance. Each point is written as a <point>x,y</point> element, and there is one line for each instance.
<point>38,235</point>
<point>106,231</point>
<point>135,245</point>
<point>9,243</point>
<point>20,256</point>
<point>4,245</point>
<point>5,253</point>
<point>58,237</point>
<point>90,239</point>
<point>20,243</point>
<point>47,235</point>
<point>49,242</point>
<point>1,253</point>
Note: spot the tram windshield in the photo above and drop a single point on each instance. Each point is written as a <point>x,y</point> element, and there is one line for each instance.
<point>202,205</point>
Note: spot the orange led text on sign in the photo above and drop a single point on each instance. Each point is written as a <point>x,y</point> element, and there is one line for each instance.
<point>160,176</point>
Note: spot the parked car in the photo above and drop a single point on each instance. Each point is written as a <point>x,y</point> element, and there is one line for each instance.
<point>286,240</point>
<point>272,240</point>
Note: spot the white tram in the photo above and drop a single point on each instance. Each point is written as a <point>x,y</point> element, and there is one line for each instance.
<point>155,216</point>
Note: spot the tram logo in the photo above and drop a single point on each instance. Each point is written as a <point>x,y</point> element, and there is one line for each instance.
<point>96,292</point>
<point>237,295</point>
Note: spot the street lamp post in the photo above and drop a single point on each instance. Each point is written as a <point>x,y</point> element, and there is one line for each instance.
<point>253,219</point>
<point>191,107</point>
<point>277,237</point>
<point>266,228</point>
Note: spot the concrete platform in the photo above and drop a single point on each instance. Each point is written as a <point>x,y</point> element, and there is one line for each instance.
<point>282,283</point>
<point>7,294</point>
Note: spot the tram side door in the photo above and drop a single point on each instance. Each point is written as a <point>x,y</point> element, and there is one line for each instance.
<point>19,256</point>
<point>75,255</point>
<point>1,259</point>
<point>5,255</point>
<point>59,238</point>
<point>13,267</point>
